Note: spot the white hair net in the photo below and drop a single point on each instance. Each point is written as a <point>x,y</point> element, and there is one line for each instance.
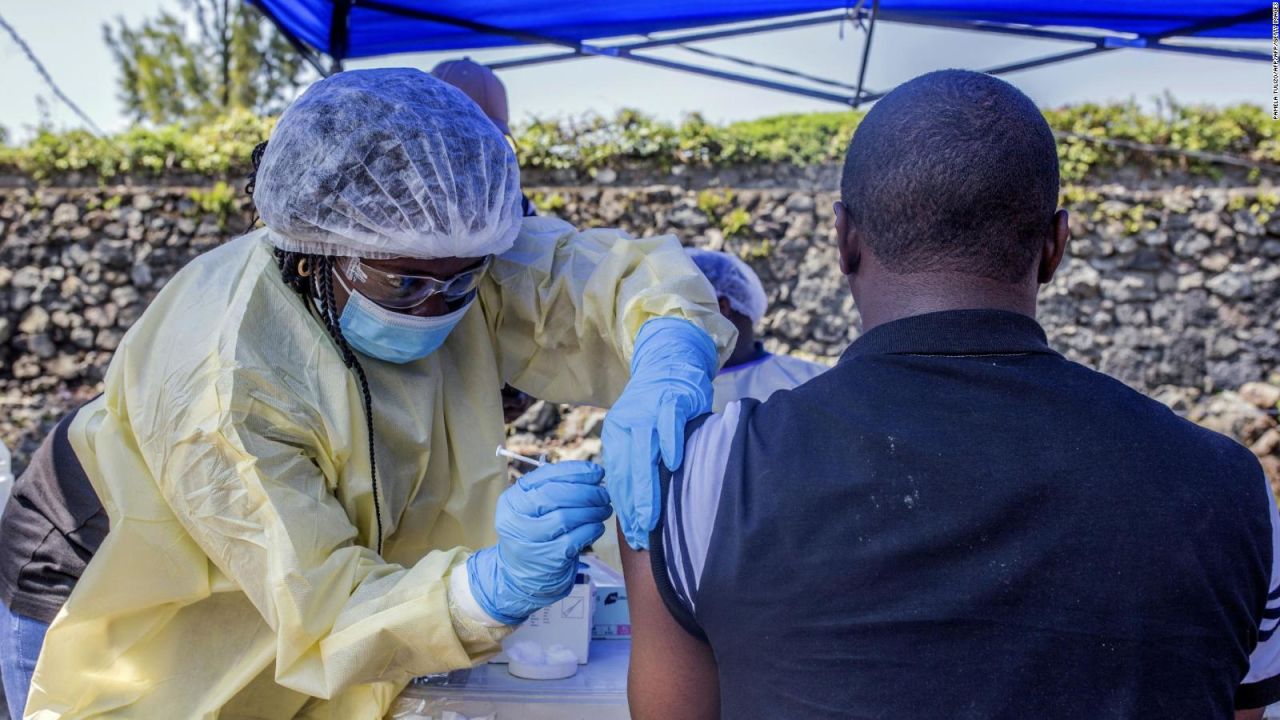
<point>389,162</point>
<point>733,280</point>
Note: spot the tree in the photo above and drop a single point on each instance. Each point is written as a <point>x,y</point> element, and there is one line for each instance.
<point>223,55</point>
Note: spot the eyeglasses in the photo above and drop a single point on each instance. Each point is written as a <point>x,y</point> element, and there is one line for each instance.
<point>403,292</point>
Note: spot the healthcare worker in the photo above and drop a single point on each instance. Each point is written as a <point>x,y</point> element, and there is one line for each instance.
<point>482,85</point>
<point>751,371</point>
<point>295,444</point>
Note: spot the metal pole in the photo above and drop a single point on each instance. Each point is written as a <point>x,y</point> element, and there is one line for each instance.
<point>737,32</point>
<point>535,60</point>
<point>866,53</point>
<point>307,53</point>
<point>907,18</point>
<point>745,79</point>
<point>682,39</point>
<point>339,33</point>
<point>1100,43</point>
<point>1046,60</point>
<point>778,69</point>
<point>1210,51</point>
<point>829,82</point>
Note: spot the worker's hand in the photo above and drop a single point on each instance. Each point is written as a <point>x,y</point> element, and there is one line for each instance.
<point>671,373</point>
<point>543,521</point>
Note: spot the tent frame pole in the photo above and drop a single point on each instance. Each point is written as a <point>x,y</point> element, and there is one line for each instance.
<point>311,56</point>
<point>339,33</point>
<point>1149,42</point>
<point>1046,60</point>
<point>1099,43</point>
<point>858,98</point>
<point>679,40</point>
<point>622,52</point>
<point>338,41</point>
<point>846,100</point>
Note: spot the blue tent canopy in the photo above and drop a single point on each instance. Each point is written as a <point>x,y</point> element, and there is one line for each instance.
<point>342,29</point>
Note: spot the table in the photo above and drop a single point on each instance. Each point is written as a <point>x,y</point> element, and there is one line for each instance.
<point>489,692</point>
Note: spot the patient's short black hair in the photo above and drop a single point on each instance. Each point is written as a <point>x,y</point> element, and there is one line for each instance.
<point>953,171</point>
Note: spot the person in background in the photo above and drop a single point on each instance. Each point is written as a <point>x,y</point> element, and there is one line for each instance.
<point>294,450</point>
<point>956,521</point>
<point>751,371</point>
<point>485,89</point>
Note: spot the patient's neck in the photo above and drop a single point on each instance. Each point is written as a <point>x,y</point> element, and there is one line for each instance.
<point>892,297</point>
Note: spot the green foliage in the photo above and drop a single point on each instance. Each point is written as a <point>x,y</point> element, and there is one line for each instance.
<point>714,202</point>
<point>219,200</point>
<point>223,56</point>
<point>1135,220</point>
<point>547,203</point>
<point>758,251</point>
<point>216,149</point>
<point>718,206</point>
<point>1261,206</point>
<point>588,143</point>
<point>1075,195</point>
<point>220,147</point>
<point>594,141</point>
<point>735,223</point>
<point>800,139</point>
<point>1242,130</point>
<point>1131,218</point>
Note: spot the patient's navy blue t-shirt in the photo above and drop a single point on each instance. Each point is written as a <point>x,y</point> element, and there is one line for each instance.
<point>958,522</point>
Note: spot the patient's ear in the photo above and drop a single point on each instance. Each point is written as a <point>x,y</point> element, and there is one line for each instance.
<point>847,241</point>
<point>1055,246</point>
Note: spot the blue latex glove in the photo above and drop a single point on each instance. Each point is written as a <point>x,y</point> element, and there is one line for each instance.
<point>543,522</point>
<point>671,373</point>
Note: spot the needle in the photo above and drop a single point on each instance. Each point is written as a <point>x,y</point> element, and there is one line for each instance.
<point>503,452</point>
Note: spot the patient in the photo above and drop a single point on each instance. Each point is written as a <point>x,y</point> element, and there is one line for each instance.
<point>956,521</point>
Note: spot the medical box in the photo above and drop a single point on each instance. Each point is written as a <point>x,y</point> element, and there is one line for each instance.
<point>612,618</point>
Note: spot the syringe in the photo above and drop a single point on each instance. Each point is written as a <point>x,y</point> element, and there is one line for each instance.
<point>503,452</point>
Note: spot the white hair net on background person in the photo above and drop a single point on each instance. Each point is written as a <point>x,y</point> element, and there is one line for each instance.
<point>733,280</point>
<point>388,162</point>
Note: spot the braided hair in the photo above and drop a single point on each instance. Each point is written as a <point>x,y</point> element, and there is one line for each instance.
<point>311,277</point>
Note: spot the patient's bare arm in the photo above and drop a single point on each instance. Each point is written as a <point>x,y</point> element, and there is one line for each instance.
<point>673,674</point>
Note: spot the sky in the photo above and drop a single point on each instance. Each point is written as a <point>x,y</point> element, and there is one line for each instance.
<point>67,36</point>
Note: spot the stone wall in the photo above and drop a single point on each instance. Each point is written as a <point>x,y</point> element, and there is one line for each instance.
<point>1174,290</point>
<point>1180,286</point>
<point>77,267</point>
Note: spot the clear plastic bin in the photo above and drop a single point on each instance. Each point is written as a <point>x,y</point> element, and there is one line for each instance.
<point>489,692</point>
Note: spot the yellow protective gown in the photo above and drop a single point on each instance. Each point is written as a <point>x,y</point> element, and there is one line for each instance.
<point>230,452</point>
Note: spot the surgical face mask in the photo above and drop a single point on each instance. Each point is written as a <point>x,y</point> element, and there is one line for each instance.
<point>392,336</point>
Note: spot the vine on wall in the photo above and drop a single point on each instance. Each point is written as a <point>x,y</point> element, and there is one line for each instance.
<point>221,148</point>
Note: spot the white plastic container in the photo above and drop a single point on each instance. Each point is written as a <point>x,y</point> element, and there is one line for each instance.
<point>531,661</point>
<point>567,623</point>
<point>6,475</point>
